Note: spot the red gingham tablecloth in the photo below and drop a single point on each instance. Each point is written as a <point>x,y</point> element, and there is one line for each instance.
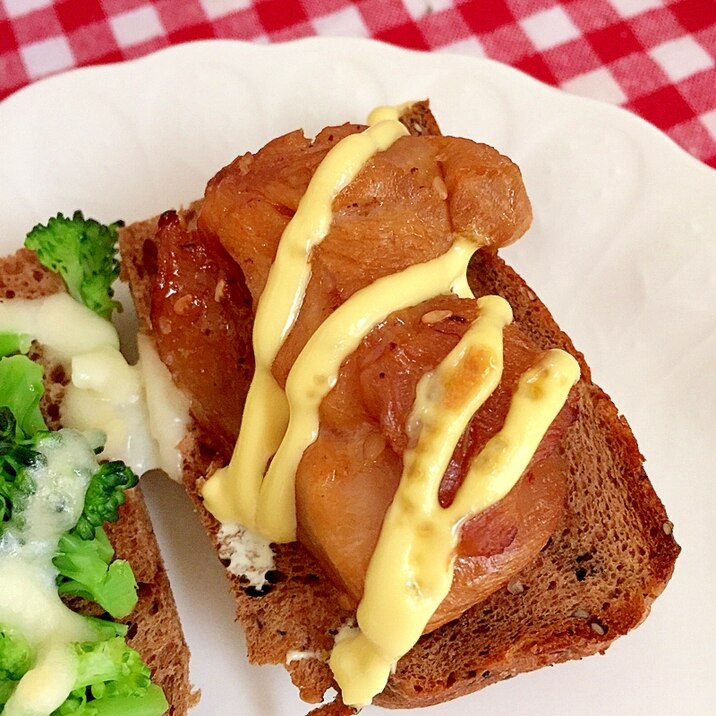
<point>655,57</point>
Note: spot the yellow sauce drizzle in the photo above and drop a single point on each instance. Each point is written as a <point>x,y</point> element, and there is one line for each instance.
<point>232,493</point>
<point>410,572</point>
<point>392,112</point>
<point>315,371</point>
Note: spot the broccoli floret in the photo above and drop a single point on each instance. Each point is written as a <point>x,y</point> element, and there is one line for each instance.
<point>20,390</point>
<point>112,680</point>
<point>15,655</point>
<point>84,253</point>
<point>106,629</point>
<point>16,486</point>
<point>105,494</point>
<point>15,660</point>
<point>12,343</point>
<point>87,570</point>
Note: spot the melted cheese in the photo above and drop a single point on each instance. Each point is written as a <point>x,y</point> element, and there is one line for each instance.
<point>66,327</point>
<point>140,411</point>
<point>249,554</point>
<point>46,685</point>
<point>299,655</point>
<point>107,394</point>
<point>59,496</point>
<point>167,407</point>
<point>227,496</point>
<point>31,606</point>
<point>29,603</point>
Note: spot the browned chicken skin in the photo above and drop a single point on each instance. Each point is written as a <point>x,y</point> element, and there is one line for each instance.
<point>201,314</point>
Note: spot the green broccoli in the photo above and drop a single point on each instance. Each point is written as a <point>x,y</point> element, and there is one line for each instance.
<point>15,655</point>
<point>104,496</point>
<point>16,485</point>
<point>15,660</point>
<point>84,556</point>
<point>87,570</point>
<point>112,680</point>
<point>21,389</point>
<point>12,343</point>
<point>84,253</point>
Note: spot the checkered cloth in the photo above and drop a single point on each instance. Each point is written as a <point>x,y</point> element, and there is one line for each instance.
<point>655,57</point>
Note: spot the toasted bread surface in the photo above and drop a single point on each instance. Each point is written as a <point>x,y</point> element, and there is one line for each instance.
<point>610,556</point>
<point>154,627</point>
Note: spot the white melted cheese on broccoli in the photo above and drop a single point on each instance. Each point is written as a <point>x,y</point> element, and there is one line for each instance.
<point>29,602</point>
<point>142,413</point>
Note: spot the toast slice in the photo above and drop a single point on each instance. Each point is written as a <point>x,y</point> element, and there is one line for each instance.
<point>154,627</point>
<point>610,556</point>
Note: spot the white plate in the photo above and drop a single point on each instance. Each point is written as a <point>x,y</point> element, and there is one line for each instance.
<point>623,250</point>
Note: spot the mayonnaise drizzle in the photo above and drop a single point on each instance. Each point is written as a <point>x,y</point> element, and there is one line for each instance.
<point>391,112</point>
<point>315,371</point>
<point>232,493</point>
<point>410,572</point>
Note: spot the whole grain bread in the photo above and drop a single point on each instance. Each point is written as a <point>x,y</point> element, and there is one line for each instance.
<point>610,556</point>
<point>154,627</point>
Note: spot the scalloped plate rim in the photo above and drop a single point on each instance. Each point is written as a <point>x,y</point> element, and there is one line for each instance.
<point>584,676</point>
<point>340,44</point>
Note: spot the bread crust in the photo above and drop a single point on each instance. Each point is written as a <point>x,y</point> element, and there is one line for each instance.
<point>154,626</point>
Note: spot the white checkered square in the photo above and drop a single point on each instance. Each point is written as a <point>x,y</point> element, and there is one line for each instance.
<point>15,8</point>
<point>468,46</point>
<point>136,26</point>
<point>549,28</point>
<point>632,8</point>
<point>420,8</point>
<point>682,57</point>
<point>45,56</point>
<point>343,23</point>
<point>597,84</point>
<point>709,121</point>
<point>219,8</point>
